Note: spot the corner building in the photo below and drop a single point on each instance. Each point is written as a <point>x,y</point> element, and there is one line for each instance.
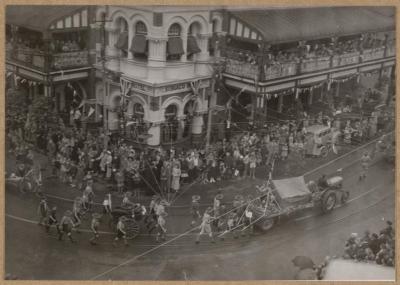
<point>153,71</point>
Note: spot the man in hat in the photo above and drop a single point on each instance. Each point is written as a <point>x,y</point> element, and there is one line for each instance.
<point>94,226</point>
<point>161,228</point>
<point>66,225</point>
<point>365,161</point>
<point>195,209</point>
<point>205,227</point>
<point>43,210</point>
<point>121,233</point>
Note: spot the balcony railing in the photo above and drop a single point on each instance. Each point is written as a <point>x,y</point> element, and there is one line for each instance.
<point>372,54</point>
<point>315,64</point>
<point>346,59</point>
<point>37,59</point>
<point>391,48</point>
<point>70,60</point>
<point>241,68</point>
<point>280,70</point>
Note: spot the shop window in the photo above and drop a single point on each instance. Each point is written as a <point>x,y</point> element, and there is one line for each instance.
<point>174,44</point>
<point>139,45</point>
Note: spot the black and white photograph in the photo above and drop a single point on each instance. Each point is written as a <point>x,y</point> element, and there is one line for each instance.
<point>199,143</point>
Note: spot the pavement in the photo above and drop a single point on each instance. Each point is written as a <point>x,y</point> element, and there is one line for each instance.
<point>32,254</point>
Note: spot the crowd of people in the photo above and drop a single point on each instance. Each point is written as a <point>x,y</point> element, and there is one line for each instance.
<point>308,51</point>
<point>372,247</point>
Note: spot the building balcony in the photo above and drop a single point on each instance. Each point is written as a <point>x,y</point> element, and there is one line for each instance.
<point>69,60</point>
<point>40,61</point>
<point>346,59</point>
<point>373,54</point>
<point>242,69</point>
<point>315,64</point>
<point>244,64</point>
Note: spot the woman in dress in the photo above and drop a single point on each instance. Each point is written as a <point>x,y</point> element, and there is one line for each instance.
<point>176,175</point>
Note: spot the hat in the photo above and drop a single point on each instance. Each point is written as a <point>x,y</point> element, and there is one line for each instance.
<point>354,235</point>
<point>219,196</point>
<point>389,223</point>
<point>195,198</point>
<point>68,213</point>
<point>123,218</point>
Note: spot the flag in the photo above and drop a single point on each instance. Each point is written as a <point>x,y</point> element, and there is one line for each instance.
<point>91,111</point>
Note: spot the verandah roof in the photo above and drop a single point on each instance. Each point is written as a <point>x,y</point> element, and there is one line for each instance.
<point>294,24</point>
<point>38,17</point>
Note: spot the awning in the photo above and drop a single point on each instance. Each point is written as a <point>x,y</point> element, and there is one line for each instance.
<point>122,42</point>
<point>139,44</point>
<point>38,17</point>
<point>192,46</point>
<point>175,46</point>
<point>287,25</point>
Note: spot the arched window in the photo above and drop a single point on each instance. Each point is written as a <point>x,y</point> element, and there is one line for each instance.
<point>139,45</point>
<point>174,44</point>
<point>213,42</point>
<point>188,111</point>
<point>138,111</point>
<point>170,127</point>
<point>192,46</point>
<point>136,127</point>
<point>122,34</point>
<point>171,112</point>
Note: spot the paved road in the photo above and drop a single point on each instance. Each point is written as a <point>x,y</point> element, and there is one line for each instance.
<point>31,254</point>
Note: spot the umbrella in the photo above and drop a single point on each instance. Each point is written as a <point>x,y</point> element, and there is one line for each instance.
<point>303,262</point>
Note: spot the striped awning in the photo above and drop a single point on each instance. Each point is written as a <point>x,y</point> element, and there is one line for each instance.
<point>175,46</point>
<point>192,46</point>
<point>139,44</point>
<point>122,42</point>
<point>294,24</point>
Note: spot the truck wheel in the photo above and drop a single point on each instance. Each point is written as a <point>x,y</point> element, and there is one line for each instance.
<point>328,201</point>
<point>345,197</point>
<point>266,224</point>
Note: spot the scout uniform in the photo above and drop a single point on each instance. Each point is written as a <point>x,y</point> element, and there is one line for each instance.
<point>95,227</point>
<point>66,225</point>
<point>52,220</point>
<point>205,227</point>
<point>43,211</point>
<point>161,229</point>
<point>121,233</point>
<point>194,209</point>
